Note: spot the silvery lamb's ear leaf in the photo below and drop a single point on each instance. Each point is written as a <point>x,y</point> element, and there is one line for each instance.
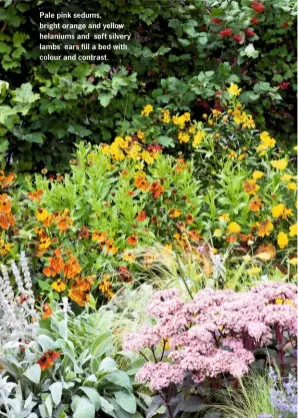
<point>56,392</point>
<point>127,401</point>
<point>49,405</point>
<point>108,365</point>
<point>106,406</point>
<point>92,395</point>
<point>46,342</point>
<point>82,407</point>
<point>43,411</point>
<point>33,373</point>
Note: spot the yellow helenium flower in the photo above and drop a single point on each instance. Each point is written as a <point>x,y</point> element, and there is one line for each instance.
<point>254,271</point>
<point>234,228</point>
<point>147,110</point>
<point>198,138</point>
<point>183,137</point>
<point>224,217</point>
<point>4,247</point>
<point>234,90</point>
<point>166,116</point>
<point>146,156</point>
<point>257,175</point>
<point>293,230</point>
<point>141,136</point>
<point>278,210</point>
<point>280,164</point>
<point>42,214</point>
<point>292,186</point>
<point>59,286</point>
<point>286,177</point>
<point>282,240</point>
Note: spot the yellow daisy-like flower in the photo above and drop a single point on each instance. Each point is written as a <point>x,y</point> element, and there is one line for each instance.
<point>282,240</point>
<point>293,261</point>
<point>141,136</point>
<point>234,228</point>
<point>286,177</point>
<point>129,256</point>
<point>292,186</point>
<point>257,175</point>
<point>280,164</point>
<point>166,116</point>
<point>277,210</point>
<point>254,271</point>
<point>234,90</point>
<point>59,286</point>
<point>42,214</point>
<point>225,217</point>
<point>147,157</point>
<point>4,247</point>
<point>183,137</point>
<point>198,138</point>
<point>147,110</point>
<point>293,230</point>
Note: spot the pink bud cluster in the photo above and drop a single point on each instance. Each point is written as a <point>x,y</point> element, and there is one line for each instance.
<point>215,334</point>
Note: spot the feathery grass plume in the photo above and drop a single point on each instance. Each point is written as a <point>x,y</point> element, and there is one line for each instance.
<point>18,318</point>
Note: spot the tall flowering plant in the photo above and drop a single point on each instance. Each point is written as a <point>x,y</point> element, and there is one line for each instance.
<point>215,335</point>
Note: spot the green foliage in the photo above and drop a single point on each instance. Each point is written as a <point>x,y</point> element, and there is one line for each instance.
<point>176,57</point>
<point>85,381</point>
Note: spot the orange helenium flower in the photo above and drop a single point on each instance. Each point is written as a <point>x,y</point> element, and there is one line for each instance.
<point>132,240</point>
<point>47,311</point>
<point>141,216</point>
<point>48,358</point>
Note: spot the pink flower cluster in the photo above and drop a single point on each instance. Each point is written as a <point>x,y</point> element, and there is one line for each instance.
<point>215,334</point>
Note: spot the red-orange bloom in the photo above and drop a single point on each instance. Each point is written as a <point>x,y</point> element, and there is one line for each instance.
<point>156,189</point>
<point>6,221</point>
<point>142,184</point>
<point>84,232</point>
<point>5,204</point>
<point>47,359</point>
<point>132,240</point>
<point>141,216</point>
<point>35,196</point>
<point>47,311</point>
<point>55,267</point>
<point>72,268</point>
<point>6,181</point>
<point>63,221</point>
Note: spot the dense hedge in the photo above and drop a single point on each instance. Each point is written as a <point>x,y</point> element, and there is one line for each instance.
<point>183,54</point>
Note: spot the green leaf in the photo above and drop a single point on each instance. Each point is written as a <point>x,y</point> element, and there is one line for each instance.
<point>37,137</point>
<point>250,51</point>
<point>82,70</point>
<point>101,70</point>
<point>127,401</point>
<point>119,378</point>
<point>33,373</point>
<point>108,365</point>
<point>4,48</point>
<point>56,392</point>
<point>106,406</point>
<point>166,141</point>
<point>101,345</point>
<point>105,99</point>
<point>5,112</point>
<point>93,395</point>
<point>46,342</point>
<point>24,94</point>
<point>18,38</point>
<point>82,408</point>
